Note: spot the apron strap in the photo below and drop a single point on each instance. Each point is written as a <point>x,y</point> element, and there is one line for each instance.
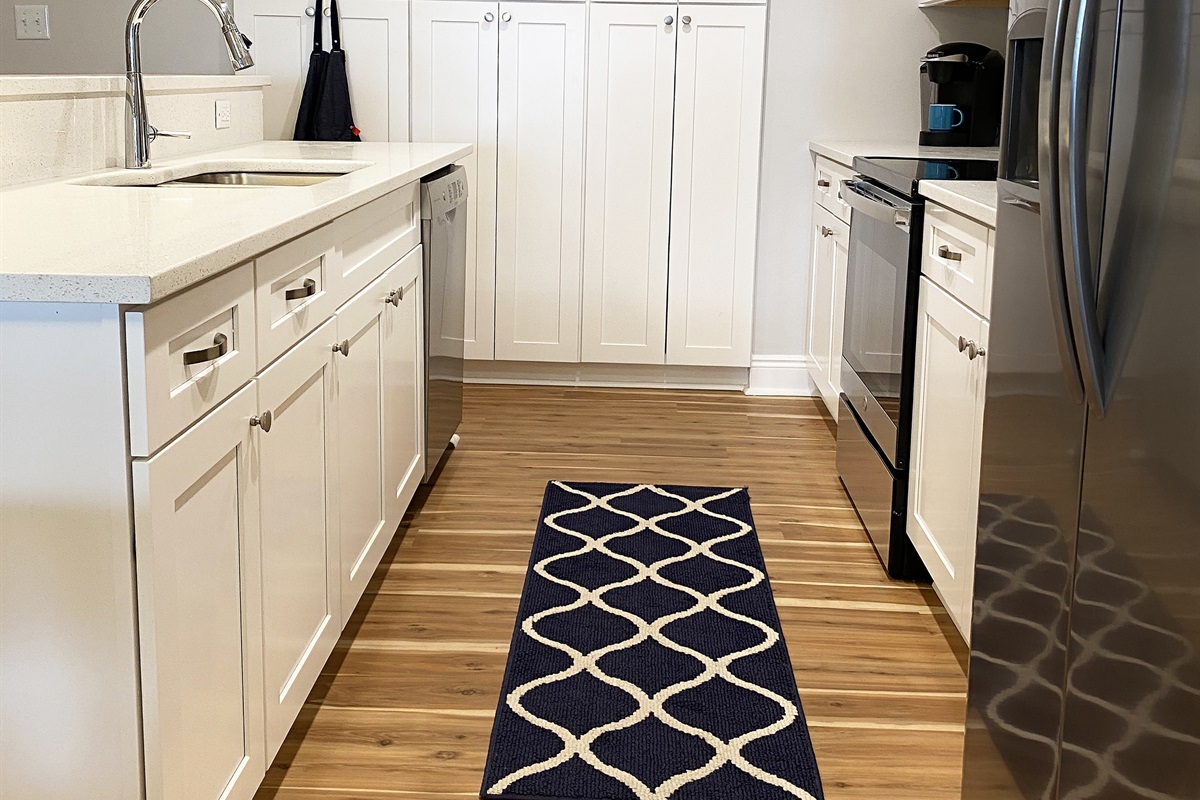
<point>335,26</point>
<point>318,7</point>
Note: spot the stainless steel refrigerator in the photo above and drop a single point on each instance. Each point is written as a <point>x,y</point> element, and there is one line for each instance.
<point>1085,661</point>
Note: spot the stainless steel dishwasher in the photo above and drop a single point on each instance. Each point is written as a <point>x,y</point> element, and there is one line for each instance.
<point>444,236</point>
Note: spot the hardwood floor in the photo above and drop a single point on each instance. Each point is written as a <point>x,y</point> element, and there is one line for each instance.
<point>404,706</point>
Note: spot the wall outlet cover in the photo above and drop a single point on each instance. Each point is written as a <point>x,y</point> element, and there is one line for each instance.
<point>33,22</point>
<point>223,114</point>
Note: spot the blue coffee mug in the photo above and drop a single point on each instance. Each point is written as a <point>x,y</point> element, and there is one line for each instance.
<point>945,116</point>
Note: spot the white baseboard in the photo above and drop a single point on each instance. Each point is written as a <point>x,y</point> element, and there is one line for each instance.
<point>780,376</point>
<point>632,376</point>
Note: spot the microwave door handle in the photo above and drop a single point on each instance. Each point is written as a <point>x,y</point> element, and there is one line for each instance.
<point>862,202</point>
<point>1073,166</point>
<point>1051,86</point>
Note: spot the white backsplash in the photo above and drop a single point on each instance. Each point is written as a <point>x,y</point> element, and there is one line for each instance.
<point>55,126</point>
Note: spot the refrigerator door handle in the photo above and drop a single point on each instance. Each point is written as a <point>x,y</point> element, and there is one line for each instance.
<point>1080,276</point>
<point>1051,83</point>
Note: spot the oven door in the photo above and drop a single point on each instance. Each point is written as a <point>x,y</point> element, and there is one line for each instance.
<point>880,292</point>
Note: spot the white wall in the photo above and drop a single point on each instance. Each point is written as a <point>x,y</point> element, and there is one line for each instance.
<point>836,69</point>
<point>87,37</point>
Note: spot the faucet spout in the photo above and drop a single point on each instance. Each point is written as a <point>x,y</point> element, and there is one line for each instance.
<point>139,132</point>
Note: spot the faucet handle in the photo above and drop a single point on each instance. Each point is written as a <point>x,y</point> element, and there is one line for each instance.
<point>155,133</point>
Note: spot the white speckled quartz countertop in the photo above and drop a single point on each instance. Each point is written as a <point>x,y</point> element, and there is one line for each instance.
<point>61,241</point>
<point>843,152</point>
<point>974,199</point>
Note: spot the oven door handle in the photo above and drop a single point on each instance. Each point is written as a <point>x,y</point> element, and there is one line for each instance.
<point>862,200</point>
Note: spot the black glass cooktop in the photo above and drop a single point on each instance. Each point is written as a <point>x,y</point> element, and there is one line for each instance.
<point>903,174</point>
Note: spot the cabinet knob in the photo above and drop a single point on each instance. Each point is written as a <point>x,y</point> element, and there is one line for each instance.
<point>826,231</point>
<point>669,20</point>
<point>343,347</point>
<point>948,254</point>
<point>394,297</point>
<point>263,421</point>
<point>973,350</point>
<point>686,20</point>
<point>310,12</point>
<point>489,17</point>
<point>506,17</point>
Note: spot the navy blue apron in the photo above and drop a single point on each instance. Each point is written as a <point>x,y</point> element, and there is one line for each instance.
<point>324,114</point>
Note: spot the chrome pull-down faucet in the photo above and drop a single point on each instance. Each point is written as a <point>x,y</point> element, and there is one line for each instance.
<point>139,132</point>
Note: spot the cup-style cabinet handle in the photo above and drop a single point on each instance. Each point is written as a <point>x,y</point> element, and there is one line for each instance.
<point>342,347</point>
<point>307,289</point>
<point>948,254</point>
<point>263,421</point>
<point>220,347</point>
<point>489,17</point>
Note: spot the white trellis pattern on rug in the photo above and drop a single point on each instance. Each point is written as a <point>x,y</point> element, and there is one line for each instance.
<point>649,705</point>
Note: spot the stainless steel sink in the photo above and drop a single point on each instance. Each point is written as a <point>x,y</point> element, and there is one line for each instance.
<point>248,178</point>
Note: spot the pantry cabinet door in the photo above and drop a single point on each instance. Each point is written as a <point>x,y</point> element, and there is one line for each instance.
<point>375,35</point>
<point>454,72</point>
<point>364,528</point>
<point>197,539</point>
<point>714,198</point>
<point>627,210</point>
<point>539,235</point>
<point>298,494</point>
<point>404,389</point>
<point>947,436</point>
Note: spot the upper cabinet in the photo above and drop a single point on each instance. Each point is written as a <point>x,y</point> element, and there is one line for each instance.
<point>539,222</point>
<point>714,192</point>
<point>375,37</point>
<point>455,61</point>
<point>630,240</point>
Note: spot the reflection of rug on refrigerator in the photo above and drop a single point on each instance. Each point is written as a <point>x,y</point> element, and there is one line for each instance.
<point>648,660</point>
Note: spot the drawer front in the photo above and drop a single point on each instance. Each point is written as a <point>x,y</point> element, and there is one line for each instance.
<point>187,354</point>
<point>374,237</point>
<point>827,187</point>
<point>295,291</point>
<point>957,255</point>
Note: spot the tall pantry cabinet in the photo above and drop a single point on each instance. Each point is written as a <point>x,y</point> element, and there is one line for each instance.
<point>615,180</point>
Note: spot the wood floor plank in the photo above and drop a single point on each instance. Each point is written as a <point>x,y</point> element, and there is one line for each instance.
<point>403,709</point>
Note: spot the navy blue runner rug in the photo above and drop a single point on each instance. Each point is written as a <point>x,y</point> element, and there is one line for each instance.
<point>648,662</point>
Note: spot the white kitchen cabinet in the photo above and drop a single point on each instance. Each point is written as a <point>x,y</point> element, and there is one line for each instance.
<point>627,216</point>
<point>375,37</point>
<point>300,591</point>
<point>714,197</point>
<point>455,63</point>
<point>404,391</point>
<point>943,506</point>
<point>197,539</point>
<point>827,304</point>
<point>539,226</point>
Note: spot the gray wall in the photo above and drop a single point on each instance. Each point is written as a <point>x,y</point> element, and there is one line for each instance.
<point>836,69</point>
<point>88,37</point>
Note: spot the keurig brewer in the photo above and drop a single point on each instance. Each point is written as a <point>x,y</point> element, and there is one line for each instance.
<point>963,96</point>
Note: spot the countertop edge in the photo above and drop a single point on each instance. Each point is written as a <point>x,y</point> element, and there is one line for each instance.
<point>133,290</point>
<point>976,200</point>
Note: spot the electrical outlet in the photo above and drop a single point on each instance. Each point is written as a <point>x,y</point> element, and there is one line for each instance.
<point>33,22</point>
<point>223,114</point>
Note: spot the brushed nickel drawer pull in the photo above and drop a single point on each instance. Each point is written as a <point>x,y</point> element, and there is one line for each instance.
<point>308,289</point>
<point>263,421</point>
<point>219,348</point>
<point>948,254</point>
<point>822,183</point>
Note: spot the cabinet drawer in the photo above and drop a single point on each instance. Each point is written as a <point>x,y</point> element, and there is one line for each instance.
<point>957,255</point>
<point>187,354</point>
<point>827,187</point>
<point>295,290</point>
<point>372,238</point>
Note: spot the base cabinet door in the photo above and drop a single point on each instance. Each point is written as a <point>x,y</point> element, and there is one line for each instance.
<point>377,33</point>
<point>948,409</point>
<point>539,226</point>
<point>455,46</point>
<point>714,198</point>
<point>404,388</point>
<point>197,538</point>
<point>298,492</point>
<point>627,211</point>
<point>827,305</point>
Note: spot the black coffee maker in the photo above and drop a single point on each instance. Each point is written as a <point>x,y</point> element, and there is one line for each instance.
<point>971,78</point>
